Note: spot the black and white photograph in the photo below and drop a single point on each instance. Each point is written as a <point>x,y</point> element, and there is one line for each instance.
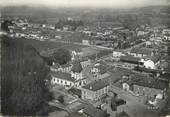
<point>85,58</point>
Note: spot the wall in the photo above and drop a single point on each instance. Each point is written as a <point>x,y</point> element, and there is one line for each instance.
<point>87,94</point>
<point>66,69</point>
<point>61,82</point>
<point>94,95</point>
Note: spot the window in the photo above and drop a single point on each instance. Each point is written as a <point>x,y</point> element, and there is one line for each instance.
<point>61,81</point>
<point>65,82</point>
<point>57,80</point>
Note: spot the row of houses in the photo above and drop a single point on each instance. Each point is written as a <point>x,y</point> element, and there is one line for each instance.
<point>71,73</point>
<point>141,85</point>
<point>145,57</point>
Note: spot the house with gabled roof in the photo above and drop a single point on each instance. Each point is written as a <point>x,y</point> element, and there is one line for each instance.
<point>99,70</point>
<point>95,90</point>
<point>141,52</point>
<point>150,62</point>
<point>62,78</point>
<point>76,73</point>
<point>129,61</point>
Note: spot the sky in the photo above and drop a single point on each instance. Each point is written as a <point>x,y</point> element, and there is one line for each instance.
<point>85,3</point>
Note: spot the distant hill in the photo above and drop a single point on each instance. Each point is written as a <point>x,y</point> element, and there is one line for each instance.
<point>52,15</point>
<point>43,12</point>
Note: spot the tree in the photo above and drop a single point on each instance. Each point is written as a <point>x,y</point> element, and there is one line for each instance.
<point>23,76</point>
<point>61,56</point>
<point>77,67</point>
<point>61,99</point>
<point>48,60</point>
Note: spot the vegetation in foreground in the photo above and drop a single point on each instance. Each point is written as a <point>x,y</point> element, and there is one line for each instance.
<point>24,80</point>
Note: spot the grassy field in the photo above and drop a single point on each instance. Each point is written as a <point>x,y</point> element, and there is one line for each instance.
<point>46,45</point>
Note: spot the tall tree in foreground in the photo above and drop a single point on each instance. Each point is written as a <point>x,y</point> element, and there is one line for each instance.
<point>23,78</point>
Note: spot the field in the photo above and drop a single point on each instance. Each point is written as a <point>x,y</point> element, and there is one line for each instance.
<point>47,45</point>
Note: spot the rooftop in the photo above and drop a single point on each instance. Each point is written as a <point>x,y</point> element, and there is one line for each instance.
<point>62,75</point>
<point>146,51</point>
<point>102,66</point>
<point>147,70</point>
<point>130,59</point>
<point>117,73</point>
<point>147,81</point>
<point>97,85</point>
<point>94,112</point>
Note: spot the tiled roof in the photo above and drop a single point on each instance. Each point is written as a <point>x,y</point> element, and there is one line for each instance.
<point>94,112</point>
<point>62,75</point>
<point>102,66</point>
<point>97,85</point>
<point>147,81</point>
<point>147,70</point>
<point>130,59</point>
<point>138,78</point>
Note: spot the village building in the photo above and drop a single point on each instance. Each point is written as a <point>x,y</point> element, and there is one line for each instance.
<point>141,52</point>
<point>76,73</point>
<point>85,63</point>
<point>99,70</point>
<point>150,62</point>
<point>86,42</point>
<point>63,79</point>
<point>145,86</point>
<point>95,90</point>
<point>130,62</point>
<point>117,54</point>
<point>164,76</point>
